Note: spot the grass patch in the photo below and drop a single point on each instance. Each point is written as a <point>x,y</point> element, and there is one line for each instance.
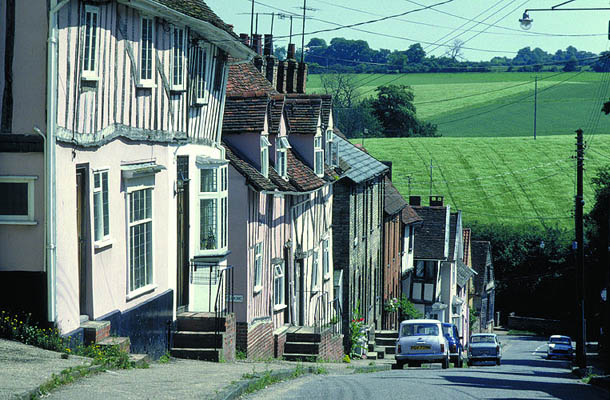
<point>240,355</point>
<point>518,332</point>
<point>588,378</point>
<point>165,358</point>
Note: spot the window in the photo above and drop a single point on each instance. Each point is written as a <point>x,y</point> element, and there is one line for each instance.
<point>315,280</point>
<point>213,235</point>
<point>318,156</point>
<point>265,156</point>
<point>278,285</point>
<point>101,221</point>
<point>281,159</point>
<point>178,59</point>
<point>332,149</point>
<point>140,239</point>
<point>425,270</point>
<point>146,50</point>
<point>219,70</point>
<point>326,258</point>
<point>258,266</point>
<point>91,42</point>
<point>200,62</point>
<point>17,199</point>
<point>411,237</point>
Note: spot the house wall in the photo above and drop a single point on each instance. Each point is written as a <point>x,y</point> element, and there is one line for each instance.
<point>303,144</point>
<point>391,267</point>
<point>249,147</point>
<point>108,266</point>
<point>97,111</point>
<point>4,56</point>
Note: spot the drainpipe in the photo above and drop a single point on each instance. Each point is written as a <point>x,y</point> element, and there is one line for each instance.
<point>50,183</point>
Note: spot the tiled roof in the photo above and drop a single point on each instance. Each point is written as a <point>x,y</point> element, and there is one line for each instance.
<point>393,202</point>
<point>303,113</point>
<point>245,114</point>
<point>255,178</point>
<point>453,230</point>
<point>276,108</point>
<point>409,216</point>
<point>327,107</point>
<point>430,234</point>
<point>245,78</point>
<point>300,175</point>
<point>361,165</point>
<point>467,232</point>
<point>464,272</point>
<point>198,9</point>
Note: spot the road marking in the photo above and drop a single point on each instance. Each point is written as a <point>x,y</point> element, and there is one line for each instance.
<point>537,348</point>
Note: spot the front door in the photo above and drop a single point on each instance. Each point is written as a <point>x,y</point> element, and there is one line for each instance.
<point>82,238</point>
<point>183,270</point>
<point>301,297</point>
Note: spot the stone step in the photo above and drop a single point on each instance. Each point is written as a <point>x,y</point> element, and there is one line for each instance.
<point>200,323</point>
<point>139,360</point>
<point>196,354</point>
<point>380,352</point>
<point>371,355</point>
<point>386,334</point>
<point>95,331</point>
<point>386,341</point>
<point>301,357</point>
<point>301,348</point>
<point>303,337</point>
<point>189,339</point>
<point>389,349</point>
<point>122,343</point>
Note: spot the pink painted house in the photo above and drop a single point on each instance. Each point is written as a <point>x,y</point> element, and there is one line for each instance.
<point>126,206</point>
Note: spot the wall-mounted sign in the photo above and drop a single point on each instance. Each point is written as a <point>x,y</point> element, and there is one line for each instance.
<point>237,298</point>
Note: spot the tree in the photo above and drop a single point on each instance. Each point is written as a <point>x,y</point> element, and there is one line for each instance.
<point>394,109</point>
<point>415,53</point>
<point>342,87</point>
<point>455,49</point>
<point>571,65</point>
<point>280,53</point>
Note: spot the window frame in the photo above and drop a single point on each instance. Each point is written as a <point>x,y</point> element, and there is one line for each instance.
<point>200,55</point>
<point>220,196</point>
<point>28,219</point>
<point>264,152</point>
<point>105,225</point>
<point>281,153</point>
<point>326,258</point>
<point>92,44</point>
<point>178,64</point>
<point>147,82</point>
<point>257,276</point>
<point>150,284</point>
<point>315,273</point>
<point>279,301</point>
<point>318,163</point>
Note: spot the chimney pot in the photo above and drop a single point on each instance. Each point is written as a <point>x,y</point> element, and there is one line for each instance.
<point>245,39</point>
<point>436,201</point>
<point>302,78</point>
<point>268,44</point>
<point>257,45</point>
<point>281,76</point>
<point>291,51</point>
<point>415,200</point>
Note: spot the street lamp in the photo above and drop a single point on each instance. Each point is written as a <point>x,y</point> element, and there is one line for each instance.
<point>526,21</point>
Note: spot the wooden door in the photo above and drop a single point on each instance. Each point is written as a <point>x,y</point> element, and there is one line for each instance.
<point>183,266</point>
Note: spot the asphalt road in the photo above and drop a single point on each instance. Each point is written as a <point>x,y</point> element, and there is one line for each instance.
<point>524,374</point>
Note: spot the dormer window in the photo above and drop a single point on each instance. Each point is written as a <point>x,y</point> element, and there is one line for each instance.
<point>91,43</point>
<point>281,159</point>
<point>332,149</point>
<point>177,76</point>
<point>318,155</point>
<point>146,51</point>
<point>265,156</point>
<point>199,65</point>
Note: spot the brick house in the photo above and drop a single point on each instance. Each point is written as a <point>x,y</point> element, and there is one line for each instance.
<point>358,230</point>
<point>484,285</point>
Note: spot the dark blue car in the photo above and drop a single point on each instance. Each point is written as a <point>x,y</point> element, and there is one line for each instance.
<point>455,344</point>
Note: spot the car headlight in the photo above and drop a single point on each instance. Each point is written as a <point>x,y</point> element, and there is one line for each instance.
<point>552,346</point>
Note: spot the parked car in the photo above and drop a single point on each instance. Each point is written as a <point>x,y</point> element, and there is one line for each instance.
<point>419,341</point>
<point>455,344</point>
<point>559,346</point>
<point>484,347</point>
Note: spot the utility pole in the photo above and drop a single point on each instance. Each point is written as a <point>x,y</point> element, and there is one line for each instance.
<point>409,183</point>
<point>581,354</point>
<point>431,177</point>
<point>535,103</point>
<point>303,36</point>
<point>252,22</point>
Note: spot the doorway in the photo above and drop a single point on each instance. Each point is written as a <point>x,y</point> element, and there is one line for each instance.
<point>82,213</point>
<point>183,266</point>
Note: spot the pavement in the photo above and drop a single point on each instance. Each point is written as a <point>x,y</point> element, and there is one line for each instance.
<point>25,368</point>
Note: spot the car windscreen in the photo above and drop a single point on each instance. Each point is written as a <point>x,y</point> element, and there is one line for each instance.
<point>560,340</point>
<point>419,330</point>
<point>447,330</point>
<point>482,339</point>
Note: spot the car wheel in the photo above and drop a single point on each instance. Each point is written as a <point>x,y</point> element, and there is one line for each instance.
<point>498,361</point>
<point>445,363</point>
<point>469,363</point>
<point>400,364</point>
<point>460,363</point>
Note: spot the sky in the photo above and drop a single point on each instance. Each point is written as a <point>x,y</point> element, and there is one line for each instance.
<point>487,28</point>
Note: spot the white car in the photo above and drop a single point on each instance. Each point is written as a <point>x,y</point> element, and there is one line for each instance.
<point>484,347</point>
<point>419,341</point>
<point>559,346</point>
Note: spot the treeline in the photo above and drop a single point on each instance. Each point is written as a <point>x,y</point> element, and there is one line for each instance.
<point>355,56</point>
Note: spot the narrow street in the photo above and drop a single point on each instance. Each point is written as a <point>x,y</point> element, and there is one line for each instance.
<point>524,374</point>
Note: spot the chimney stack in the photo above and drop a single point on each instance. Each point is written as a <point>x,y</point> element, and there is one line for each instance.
<point>291,70</point>
<point>436,201</point>
<point>257,45</point>
<point>415,200</point>
<point>302,78</point>
<point>281,76</point>
<point>271,64</point>
<point>245,39</point>
<point>268,44</point>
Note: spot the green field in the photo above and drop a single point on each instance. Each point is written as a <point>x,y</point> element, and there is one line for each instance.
<point>500,104</point>
<point>509,180</point>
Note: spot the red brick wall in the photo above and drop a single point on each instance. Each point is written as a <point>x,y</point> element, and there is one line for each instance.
<point>241,341</point>
<point>279,340</point>
<point>331,346</point>
<point>228,338</point>
<point>256,340</point>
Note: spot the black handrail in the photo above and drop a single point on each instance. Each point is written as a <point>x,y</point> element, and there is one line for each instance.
<point>224,296</point>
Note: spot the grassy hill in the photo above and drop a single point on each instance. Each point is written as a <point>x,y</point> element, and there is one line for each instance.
<point>500,104</point>
<point>509,180</point>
